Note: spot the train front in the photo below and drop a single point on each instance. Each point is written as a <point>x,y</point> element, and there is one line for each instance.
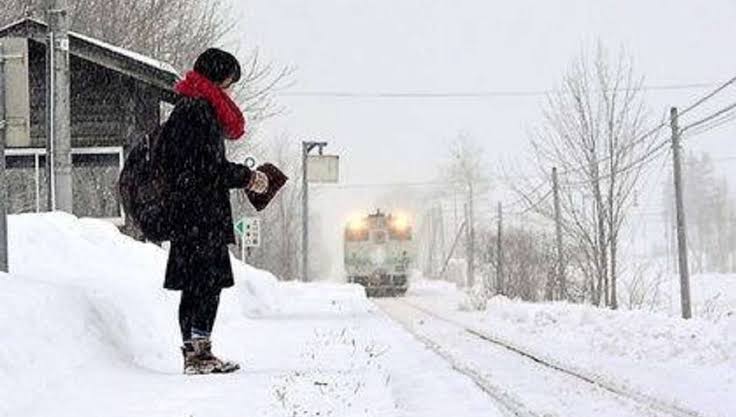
<point>379,250</point>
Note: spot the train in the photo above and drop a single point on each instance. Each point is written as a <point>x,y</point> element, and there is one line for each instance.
<point>379,252</point>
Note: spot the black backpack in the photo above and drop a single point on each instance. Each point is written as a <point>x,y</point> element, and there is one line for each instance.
<point>144,192</point>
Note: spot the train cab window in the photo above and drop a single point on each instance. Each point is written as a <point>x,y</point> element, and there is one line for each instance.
<point>356,235</point>
<point>403,234</point>
<point>379,236</point>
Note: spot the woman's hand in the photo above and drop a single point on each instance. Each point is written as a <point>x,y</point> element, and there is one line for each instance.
<point>258,182</point>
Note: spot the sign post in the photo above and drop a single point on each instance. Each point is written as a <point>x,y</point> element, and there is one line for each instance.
<point>315,168</point>
<point>249,230</point>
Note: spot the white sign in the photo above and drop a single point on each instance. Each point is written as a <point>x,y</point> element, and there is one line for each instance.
<point>323,168</point>
<point>17,98</point>
<point>249,230</point>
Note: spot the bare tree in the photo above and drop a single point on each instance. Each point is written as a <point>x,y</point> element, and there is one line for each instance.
<point>466,174</point>
<point>644,288</point>
<point>528,257</point>
<point>281,222</point>
<point>711,213</point>
<point>593,131</point>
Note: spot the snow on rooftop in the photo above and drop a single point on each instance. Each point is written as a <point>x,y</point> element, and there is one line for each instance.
<point>146,60</point>
<point>163,66</point>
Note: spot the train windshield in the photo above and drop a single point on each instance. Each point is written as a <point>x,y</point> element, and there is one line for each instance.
<point>400,234</point>
<point>356,235</point>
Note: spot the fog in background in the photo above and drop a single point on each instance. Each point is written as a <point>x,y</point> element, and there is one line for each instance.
<point>442,46</point>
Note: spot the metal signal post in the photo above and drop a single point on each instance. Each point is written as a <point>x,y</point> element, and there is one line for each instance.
<point>307,147</point>
<point>3,182</point>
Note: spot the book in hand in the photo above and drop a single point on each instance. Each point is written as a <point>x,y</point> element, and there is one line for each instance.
<point>276,180</point>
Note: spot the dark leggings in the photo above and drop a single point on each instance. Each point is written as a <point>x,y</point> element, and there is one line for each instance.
<point>197,310</point>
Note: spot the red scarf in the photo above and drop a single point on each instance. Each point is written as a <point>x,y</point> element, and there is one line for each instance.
<point>229,116</point>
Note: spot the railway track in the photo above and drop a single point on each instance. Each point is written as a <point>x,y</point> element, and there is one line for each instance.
<point>513,400</point>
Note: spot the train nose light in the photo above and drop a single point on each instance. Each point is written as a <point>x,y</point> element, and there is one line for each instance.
<point>357,225</point>
<point>400,223</point>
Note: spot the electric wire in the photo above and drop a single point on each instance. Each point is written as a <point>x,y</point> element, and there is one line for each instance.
<point>708,96</point>
<point>722,112</point>
<point>465,94</point>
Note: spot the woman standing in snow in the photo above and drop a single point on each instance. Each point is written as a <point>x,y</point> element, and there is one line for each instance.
<point>192,155</point>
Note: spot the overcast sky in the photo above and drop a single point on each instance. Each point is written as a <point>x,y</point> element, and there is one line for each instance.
<point>439,46</point>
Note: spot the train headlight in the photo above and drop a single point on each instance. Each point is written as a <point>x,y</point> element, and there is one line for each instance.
<point>400,223</point>
<point>357,224</point>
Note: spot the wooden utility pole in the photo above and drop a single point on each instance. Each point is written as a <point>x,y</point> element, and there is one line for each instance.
<point>499,251</point>
<point>680,212</point>
<point>560,279</point>
<point>441,229</point>
<point>431,239</point>
<point>58,118</point>
<point>3,182</point>
<point>452,250</point>
<point>471,238</point>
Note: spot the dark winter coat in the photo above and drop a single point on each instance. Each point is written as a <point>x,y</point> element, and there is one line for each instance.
<point>192,155</point>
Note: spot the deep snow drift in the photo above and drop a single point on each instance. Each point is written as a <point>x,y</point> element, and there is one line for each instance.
<point>80,292</point>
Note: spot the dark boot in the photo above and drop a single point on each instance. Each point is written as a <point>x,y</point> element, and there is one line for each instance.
<point>193,363</point>
<point>208,362</point>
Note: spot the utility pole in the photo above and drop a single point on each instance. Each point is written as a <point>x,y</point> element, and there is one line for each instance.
<point>680,211</point>
<point>499,251</point>
<point>441,229</point>
<point>452,249</point>
<point>471,237</point>
<point>560,270</point>
<point>430,238</point>
<point>58,119</point>
<point>307,147</point>
<point>455,222</point>
<point>3,181</point>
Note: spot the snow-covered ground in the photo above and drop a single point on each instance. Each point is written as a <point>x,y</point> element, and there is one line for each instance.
<point>87,330</point>
<point>691,363</point>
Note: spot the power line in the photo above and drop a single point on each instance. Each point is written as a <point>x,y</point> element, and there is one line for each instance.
<point>635,142</point>
<point>709,96</point>
<point>663,124</point>
<point>712,125</point>
<point>414,184</point>
<point>721,112</point>
<point>652,154</point>
<point>465,94</point>
<point>533,206</point>
<point>718,118</point>
<point>643,160</point>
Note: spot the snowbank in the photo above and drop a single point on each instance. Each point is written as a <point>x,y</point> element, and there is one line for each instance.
<point>84,312</point>
<point>630,335</point>
<point>653,352</point>
<point>658,354</point>
<point>79,291</point>
<point>713,296</point>
<point>61,249</point>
